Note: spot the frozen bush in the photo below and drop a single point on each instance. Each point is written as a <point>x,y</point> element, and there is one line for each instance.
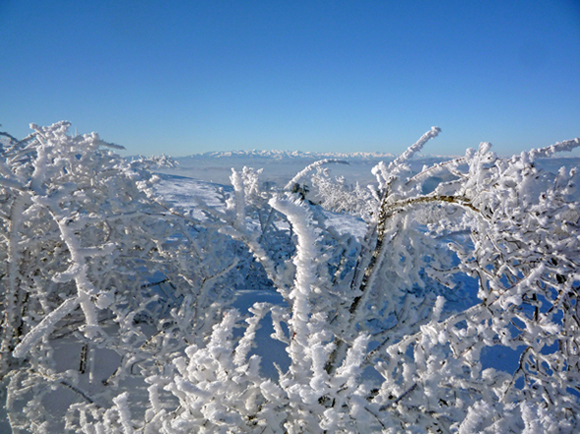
<point>379,332</point>
<point>93,266</point>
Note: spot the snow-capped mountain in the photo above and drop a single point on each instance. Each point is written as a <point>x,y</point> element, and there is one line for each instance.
<point>292,155</point>
<point>281,166</point>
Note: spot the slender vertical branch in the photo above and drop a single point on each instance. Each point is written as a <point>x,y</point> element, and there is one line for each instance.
<point>13,296</point>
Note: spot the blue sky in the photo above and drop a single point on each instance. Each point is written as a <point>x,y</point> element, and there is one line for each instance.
<point>183,77</point>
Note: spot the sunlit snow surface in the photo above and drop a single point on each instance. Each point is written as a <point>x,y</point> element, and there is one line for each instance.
<point>190,193</point>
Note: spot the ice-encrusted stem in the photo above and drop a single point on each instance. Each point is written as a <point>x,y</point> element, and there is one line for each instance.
<point>305,279</point>
<point>122,404</point>
<point>77,271</point>
<point>240,198</point>
<point>310,168</point>
<point>45,327</point>
<point>238,231</point>
<point>413,149</point>
<point>12,319</point>
<point>258,311</point>
<point>566,145</point>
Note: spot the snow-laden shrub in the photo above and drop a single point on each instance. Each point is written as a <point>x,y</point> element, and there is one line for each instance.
<point>99,280</point>
<point>380,333</point>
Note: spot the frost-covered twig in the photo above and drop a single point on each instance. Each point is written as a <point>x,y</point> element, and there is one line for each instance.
<point>413,149</point>
<point>304,281</point>
<point>309,169</point>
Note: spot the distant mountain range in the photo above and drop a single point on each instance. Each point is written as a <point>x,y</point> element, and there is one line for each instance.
<point>288,155</point>
<point>281,166</point>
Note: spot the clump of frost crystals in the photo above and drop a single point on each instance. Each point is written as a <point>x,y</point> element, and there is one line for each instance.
<point>457,312</point>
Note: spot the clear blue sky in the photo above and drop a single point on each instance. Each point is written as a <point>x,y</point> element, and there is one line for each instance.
<point>183,77</point>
